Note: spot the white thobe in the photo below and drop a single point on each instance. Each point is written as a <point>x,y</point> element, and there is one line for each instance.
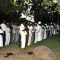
<point>39,28</point>
<point>38,33</point>
<point>30,35</point>
<point>23,35</point>
<point>17,34</point>
<point>45,34</point>
<point>7,36</point>
<point>14,33</point>
<point>1,38</point>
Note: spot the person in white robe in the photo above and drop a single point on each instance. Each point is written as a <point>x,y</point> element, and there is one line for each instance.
<point>52,29</point>
<point>3,26</point>
<point>39,29</point>
<point>1,37</point>
<point>7,36</point>
<point>30,34</point>
<point>17,34</point>
<point>38,33</point>
<point>14,32</point>
<point>48,29</point>
<point>23,34</point>
<point>54,32</point>
<point>44,32</point>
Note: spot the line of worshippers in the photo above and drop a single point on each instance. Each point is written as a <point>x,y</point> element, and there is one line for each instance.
<point>32,32</point>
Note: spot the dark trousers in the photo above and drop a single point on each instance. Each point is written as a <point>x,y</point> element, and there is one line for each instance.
<point>11,37</point>
<point>4,38</point>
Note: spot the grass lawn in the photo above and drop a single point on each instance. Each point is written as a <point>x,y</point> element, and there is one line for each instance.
<point>51,42</point>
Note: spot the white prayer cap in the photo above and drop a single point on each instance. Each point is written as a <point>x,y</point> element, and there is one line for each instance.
<point>39,22</point>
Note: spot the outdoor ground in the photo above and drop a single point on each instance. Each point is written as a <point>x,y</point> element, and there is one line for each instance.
<point>15,52</point>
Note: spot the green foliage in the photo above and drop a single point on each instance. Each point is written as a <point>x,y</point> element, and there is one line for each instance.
<point>58,7</point>
<point>16,3</point>
<point>7,6</point>
<point>10,7</point>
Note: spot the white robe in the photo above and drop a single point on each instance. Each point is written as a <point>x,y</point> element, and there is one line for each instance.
<point>45,34</point>
<point>39,28</point>
<point>1,38</point>
<point>7,36</point>
<point>14,33</point>
<point>54,32</point>
<point>17,34</point>
<point>30,35</point>
<point>38,33</point>
<point>23,35</point>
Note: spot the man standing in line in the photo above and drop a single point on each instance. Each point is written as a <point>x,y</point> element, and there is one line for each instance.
<point>38,33</point>
<point>23,34</point>
<point>30,34</point>
<point>3,26</point>
<point>39,29</point>
<point>1,37</point>
<point>7,35</point>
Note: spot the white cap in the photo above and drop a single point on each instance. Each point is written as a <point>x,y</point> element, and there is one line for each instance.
<point>39,22</point>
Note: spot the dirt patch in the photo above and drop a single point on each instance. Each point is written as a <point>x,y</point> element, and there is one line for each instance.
<point>44,53</point>
<point>8,54</point>
<point>15,53</point>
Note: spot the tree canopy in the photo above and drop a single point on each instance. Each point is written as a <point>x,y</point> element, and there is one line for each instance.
<point>13,8</point>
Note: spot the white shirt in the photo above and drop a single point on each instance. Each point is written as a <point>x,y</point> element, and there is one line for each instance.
<point>7,29</point>
<point>21,28</point>
<point>3,26</point>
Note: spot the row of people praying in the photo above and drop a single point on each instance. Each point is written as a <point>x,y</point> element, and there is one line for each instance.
<point>37,32</point>
<point>10,33</point>
<point>4,35</point>
<point>32,32</point>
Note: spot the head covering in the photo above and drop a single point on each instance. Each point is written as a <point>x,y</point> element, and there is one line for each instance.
<point>39,22</point>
